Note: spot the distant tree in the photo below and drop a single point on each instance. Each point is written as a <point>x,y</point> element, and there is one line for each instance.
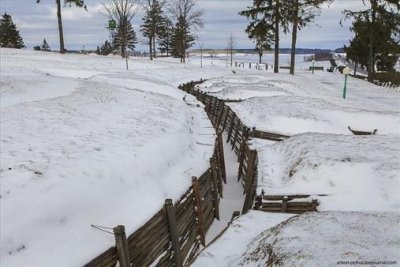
<point>181,40</point>
<point>37,48</point>
<point>78,3</point>
<point>386,48</point>
<point>45,46</point>
<point>105,49</point>
<point>300,13</point>
<point>123,11</point>
<point>9,35</point>
<point>262,34</point>
<point>153,24</point>
<point>187,20</point>
<point>165,37</point>
<point>382,21</point>
<point>231,43</point>
<point>269,14</point>
<point>124,37</point>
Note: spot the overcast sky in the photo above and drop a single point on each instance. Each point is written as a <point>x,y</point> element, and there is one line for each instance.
<point>88,28</point>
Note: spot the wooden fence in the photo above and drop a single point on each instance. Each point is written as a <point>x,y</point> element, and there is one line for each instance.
<point>224,119</point>
<point>238,135</point>
<point>172,237</point>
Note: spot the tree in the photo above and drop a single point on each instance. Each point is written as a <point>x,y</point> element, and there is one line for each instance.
<point>105,49</point>
<point>181,39</point>
<point>268,14</point>
<point>262,34</point>
<point>153,24</point>
<point>165,37</point>
<point>300,13</point>
<point>122,11</point>
<point>382,19</point>
<point>386,48</point>
<point>78,3</point>
<point>124,37</point>
<point>187,20</point>
<point>45,46</point>
<point>231,43</point>
<point>9,35</point>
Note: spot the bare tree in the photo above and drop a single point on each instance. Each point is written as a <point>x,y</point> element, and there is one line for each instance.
<point>188,19</point>
<point>201,46</point>
<point>231,43</point>
<point>122,11</point>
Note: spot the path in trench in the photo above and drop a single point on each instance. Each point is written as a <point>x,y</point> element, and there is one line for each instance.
<point>232,192</point>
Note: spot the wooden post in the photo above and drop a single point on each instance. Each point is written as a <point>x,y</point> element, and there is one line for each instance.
<point>122,246</point>
<point>226,118</point>
<point>220,145</point>
<point>215,189</point>
<point>221,114</point>
<point>248,201</point>
<point>314,204</point>
<point>250,171</point>
<point>284,204</point>
<point>199,212</point>
<point>236,134</point>
<point>231,127</point>
<point>173,231</point>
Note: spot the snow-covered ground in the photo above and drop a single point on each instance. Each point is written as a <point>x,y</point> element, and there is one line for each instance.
<point>360,175</point>
<point>84,141</point>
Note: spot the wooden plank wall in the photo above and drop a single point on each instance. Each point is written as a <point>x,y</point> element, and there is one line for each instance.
<point>224,119</point>
<point>153,243</point>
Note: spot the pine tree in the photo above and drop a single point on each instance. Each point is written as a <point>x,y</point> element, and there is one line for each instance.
<point>300,13</point>
<point>9,35</point>
<point>124,37</point>
<point>45,46</point>
<point>181,39</point>
<point>152,26</point>
<point>165,38</point>
<point>382,19</point>
<point>267,15</point>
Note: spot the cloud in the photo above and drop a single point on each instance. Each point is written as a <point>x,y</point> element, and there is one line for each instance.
<point>38,21</point>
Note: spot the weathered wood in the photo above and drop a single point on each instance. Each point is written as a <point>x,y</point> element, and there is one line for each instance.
<point>284,204</point>
<point>221,114</point>
<point>173,232</point>
<point>122,246</point>
<point>268,135</point>
<point>220,146</point>
<point>250,185</point>
<point>215,190</point>
<point>108,258</point>
<point>231,127</point>
<point>199,210</point>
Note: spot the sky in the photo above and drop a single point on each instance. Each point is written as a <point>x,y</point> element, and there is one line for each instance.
<point>87,29</point>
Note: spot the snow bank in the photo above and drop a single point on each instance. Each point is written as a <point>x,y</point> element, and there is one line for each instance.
<point>83,141</point>
<point>308,103</point>
<point>357,172</point>
<point>326,239</point>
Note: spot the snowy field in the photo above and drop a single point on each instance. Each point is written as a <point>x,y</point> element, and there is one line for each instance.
<point>360,175</point>
<point>83,141</point>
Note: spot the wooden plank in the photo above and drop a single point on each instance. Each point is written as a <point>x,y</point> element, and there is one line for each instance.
<point>199,210</point>
<point>108,258</point>
<point>215,190</point>
<point>220,145</point>
<point>173,232</point>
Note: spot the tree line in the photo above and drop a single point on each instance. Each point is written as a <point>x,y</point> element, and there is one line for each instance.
<point>377,29</point>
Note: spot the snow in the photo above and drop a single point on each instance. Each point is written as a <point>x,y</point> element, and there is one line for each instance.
<point>359,176</point>
<point>308,103</point>
<point>84,141</point>
<point>358,173</point>
<point>327,238</point>
<point>228,250</point>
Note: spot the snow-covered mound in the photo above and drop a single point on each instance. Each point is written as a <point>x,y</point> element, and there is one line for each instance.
<point>84,141</point>
<point>308,103</point>
<point>357,172</point>
<point>328,239</point>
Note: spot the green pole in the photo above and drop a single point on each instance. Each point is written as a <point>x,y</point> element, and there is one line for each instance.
<point>345,86</point>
